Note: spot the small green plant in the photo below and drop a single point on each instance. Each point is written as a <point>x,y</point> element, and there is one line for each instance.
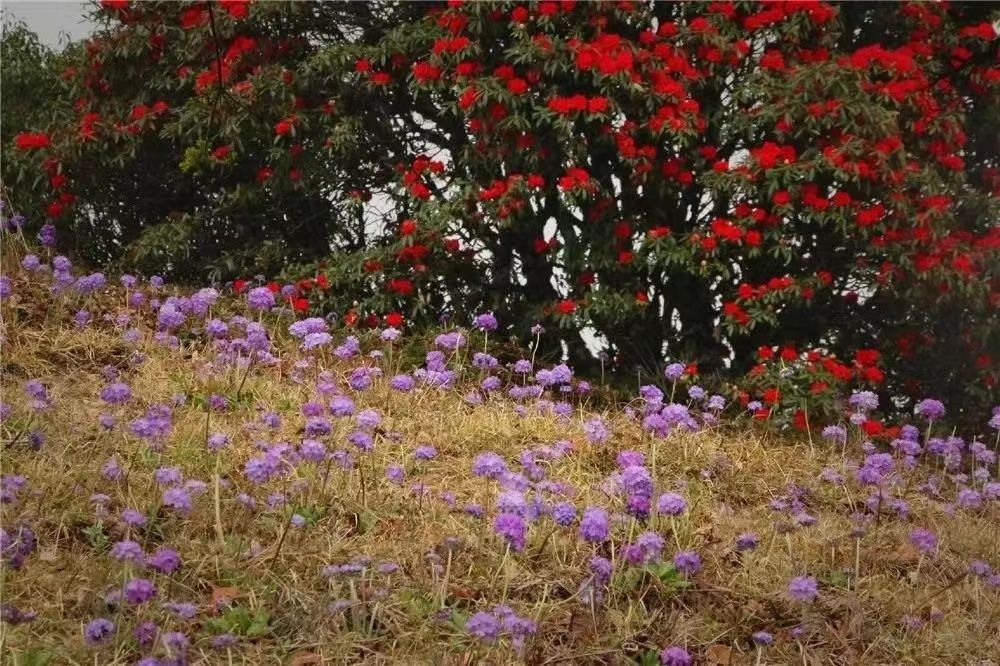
<point>96,537</point>
<point>239,621</point>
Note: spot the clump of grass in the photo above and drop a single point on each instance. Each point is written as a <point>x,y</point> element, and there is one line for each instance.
<point>310,532</point>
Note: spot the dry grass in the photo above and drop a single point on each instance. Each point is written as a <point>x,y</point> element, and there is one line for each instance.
<point>729,475</point>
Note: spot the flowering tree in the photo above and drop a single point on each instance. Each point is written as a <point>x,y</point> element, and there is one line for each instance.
<point>798,194</point>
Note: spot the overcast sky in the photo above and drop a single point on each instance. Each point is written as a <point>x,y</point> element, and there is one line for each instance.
<point>49,19</point>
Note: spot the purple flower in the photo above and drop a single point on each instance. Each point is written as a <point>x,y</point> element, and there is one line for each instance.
<point>314,340</point>
<point>127,550</point>
<point>139,590</point>
<point>317,426</point>
<point>671,504</point>
<point>522,366</point>
<point>341,405</point>
<point>836,434</point>
<point>116,393</point>
<point>164,560</point>
<point>563,514</point>
<point>484,361</point>
<point>491,383</point>
<point>14,616</point>
<point>687,562</point>
<point>489,465</point>
<point>111,470</point>
<point>969,498</point>
<point>312,450</point>
<point>17,544</point>
<point>369,419</point>
<point>349,349</point>
<point>486,322</point>
<point>980,568</point>
<point>595,431</point>
<point>395,473</point>
<point>762,638</point>
<point>361,439</point>
<point>425,453</point>
<point>594,526</point>
<point>260,299</point>
<point>168,476</point>
<point>803,588</point>
<point>177,498</point>
<point>184,610</point>
<point>98,631</point>
<point>647,547</point>
<point>175,641</point>
<point>636,480</point>
<point>450,341</point>
<point>923,540</point>
<point>560,374</point>
<point>512,528</point>
<point>675,656</point>
<point>930,409</point>
<point>133,518</point>
<point>217,441</point>
<point>864,401</point>
<point>483,626</point>
<point>674,371</point>
<point>402,383</point>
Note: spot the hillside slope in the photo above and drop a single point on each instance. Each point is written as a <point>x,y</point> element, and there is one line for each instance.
<point>196,479</point>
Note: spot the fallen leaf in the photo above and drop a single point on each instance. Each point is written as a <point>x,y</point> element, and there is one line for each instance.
<point>224,596</point>
<point>719,655</point>
<point>305,659</point>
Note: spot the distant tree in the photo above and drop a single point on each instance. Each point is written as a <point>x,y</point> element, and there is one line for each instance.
<point>30,77</point>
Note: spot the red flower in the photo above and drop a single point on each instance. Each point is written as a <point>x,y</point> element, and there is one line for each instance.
<point>872,427</point>
<point>866,357</point>
<point>222,152</point>
<point>32,140</point>
<point>284,127</point>
<point>566,306</point>
<point>519,15</point>
<point>237,9</point>
<point>407,228</point>
<point>401,286</point>
<point>517,86</point>
<point>772,396</point>
<point>300,305</point>
<point>239,285</point>
<point>873,375</point>
<point>394,319</point>
<point>192,17</point>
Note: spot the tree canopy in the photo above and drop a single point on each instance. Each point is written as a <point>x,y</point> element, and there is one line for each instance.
<point>794,195</point>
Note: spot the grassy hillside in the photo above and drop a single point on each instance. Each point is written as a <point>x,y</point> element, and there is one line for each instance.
<point>216,493</point>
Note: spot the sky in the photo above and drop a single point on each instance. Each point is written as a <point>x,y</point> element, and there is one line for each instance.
<point>50,18</point>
